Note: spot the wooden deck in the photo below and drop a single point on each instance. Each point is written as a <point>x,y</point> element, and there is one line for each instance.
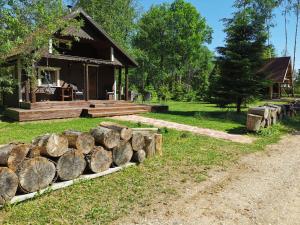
<point>73,109</point>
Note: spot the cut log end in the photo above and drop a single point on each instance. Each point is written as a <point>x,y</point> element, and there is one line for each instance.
<point>17,156</point>
<point>139,156</point>
<point>125,132</point>
<point>254,122</point>
<point>106,137</point>
<point>122,154</point>
<point>71,165</point>
<point>9,185</point>
<point>36,174</point>
<point>52,145</point>
<point>150,146</point>
<point>99,159</point>
<point>84,142</point>
<point>138,141</point>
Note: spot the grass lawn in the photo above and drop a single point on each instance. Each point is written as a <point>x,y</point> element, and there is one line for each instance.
<point>206,115</point>
<point>185,162</point>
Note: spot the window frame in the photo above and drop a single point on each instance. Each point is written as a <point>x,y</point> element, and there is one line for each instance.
<point>51,69</point>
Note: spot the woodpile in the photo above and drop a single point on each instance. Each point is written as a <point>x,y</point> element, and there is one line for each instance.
<point>268,115</point>
<point>50,158</point>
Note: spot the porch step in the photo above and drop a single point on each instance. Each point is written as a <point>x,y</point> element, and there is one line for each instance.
<point>116,113</point>
<point>114,108</point>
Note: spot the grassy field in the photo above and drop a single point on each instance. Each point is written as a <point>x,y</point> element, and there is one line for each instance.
<point>206,115</point>
<point>186,160</point>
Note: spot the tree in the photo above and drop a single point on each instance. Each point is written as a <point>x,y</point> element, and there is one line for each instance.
<point>116,17</point>
<point>172,38</point>
<point>25,28</point>
<point>242,56</point>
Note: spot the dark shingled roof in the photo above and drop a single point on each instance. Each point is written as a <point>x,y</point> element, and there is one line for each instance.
<point>276,69</point>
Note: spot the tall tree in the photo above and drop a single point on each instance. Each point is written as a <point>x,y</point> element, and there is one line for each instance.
<point>24,27</point>
<point>297,12</point>
<point>242,55</point>
<point>116,17</point>
<point>172,38</point>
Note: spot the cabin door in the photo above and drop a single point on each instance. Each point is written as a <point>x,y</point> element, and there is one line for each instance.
<point>93,82</point>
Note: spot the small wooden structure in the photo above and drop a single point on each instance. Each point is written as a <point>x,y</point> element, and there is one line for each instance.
<point>87,78</point>
<point>89,69</point>
<point>279,71</point>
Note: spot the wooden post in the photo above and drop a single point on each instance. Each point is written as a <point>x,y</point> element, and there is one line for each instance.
<point>33,85</point>
<point>120,83</point>
<point>19,76</point>
<point>126,84</point>
<point>271,92</point>
<point>27,92</point>
<point>86,82</point>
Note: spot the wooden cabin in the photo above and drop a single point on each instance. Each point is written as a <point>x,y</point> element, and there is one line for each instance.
<point>280,73</point>
<point>91,72</point>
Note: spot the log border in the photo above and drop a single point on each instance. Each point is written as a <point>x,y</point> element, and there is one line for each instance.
<point>61,185</point>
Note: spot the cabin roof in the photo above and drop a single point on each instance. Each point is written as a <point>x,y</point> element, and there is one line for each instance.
<point>26,47</point>
<point>276,69</point>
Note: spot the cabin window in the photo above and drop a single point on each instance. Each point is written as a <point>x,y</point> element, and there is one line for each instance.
<point>48,77</point>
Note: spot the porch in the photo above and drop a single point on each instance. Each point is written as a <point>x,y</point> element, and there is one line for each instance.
<point>73,109</point>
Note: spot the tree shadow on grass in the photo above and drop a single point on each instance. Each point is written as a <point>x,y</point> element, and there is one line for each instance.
<point>292,123</point>
<point>217,116</point>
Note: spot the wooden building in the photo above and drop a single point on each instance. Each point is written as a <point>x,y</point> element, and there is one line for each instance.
<point>87,74</point>
<point>280,73</point>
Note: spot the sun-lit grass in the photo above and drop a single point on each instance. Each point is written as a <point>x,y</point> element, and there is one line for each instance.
<point>207,115</point>
<point>186,160</point>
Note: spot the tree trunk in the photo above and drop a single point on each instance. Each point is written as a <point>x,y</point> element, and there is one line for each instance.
<point>52,145</point>
<point>149,146</point>
<point>122,154</point>
<point>83,142</point>
<point>158,144</point>
<point>106,137</point>
<point>36,174</point>
<point>138,141</point>
<point>138,156</point>
<point>238,105</point>
<point>71,165</point>
<point>254,122</point>
<point>125,132</point>
<point>99,159</point>
<point>9,185</point>
<point>296,33</point>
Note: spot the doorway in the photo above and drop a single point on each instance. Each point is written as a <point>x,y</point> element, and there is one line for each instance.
<point>93,82</point>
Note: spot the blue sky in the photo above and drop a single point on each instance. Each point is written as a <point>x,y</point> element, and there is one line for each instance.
<point>215,10</point>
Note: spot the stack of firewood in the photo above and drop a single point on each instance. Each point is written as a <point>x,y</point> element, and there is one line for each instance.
<point>27,168</point>
<point>268,115</point>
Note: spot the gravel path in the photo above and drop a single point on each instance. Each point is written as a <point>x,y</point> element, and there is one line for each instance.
<point>263,188</point>
<point>182,127</point>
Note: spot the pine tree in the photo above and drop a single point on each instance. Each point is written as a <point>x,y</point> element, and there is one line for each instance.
<point>242,56</point>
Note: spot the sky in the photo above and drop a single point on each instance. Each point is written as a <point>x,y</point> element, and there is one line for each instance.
<point>215,10</point>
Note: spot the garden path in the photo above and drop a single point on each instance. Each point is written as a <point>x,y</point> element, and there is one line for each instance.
<point>183,127</point>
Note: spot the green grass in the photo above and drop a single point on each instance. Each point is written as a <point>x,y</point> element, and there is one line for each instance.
<point>206,115</point>
<point>186,160</point>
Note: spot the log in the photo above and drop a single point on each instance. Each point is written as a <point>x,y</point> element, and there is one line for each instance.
<point>263,123</point>
<point>36,174</point>
<point>125,132</point>
<point>138,156</point>
<point>145,131</point>
<point>260,111</point>
<point>4,153</point>
<point>17,156</point>
<point>34,151</point>
<point>52,145</point>
<point>122,154</point>
<point>99,159</point>
<point>13,155</point>
<point>106,137</point>
<point>83,142</point>
<point>9,185</point>
<point>158,144</point>
<point>254,122</point>
<point>71,165</point>
<point>138,141</point>
<point>149,146</point>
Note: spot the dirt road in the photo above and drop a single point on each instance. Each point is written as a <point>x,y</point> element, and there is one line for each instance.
<point>263,188</point>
